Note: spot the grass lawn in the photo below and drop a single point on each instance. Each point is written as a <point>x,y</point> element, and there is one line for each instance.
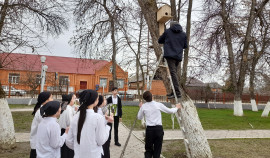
<point>225,148</point>
<point>22,121</point>
<point>21,106</point>
<point>210,119</point>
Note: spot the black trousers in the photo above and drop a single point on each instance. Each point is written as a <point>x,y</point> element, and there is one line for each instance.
<point>33,153</point>
<point>66,152</point>
<point>153,141</point>
<point>116,124</point>
<point>106,149</point>
<point>172,63</point>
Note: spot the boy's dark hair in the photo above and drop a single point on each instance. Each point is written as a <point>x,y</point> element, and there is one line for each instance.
<point>147,96</point>
<point>114,88</point>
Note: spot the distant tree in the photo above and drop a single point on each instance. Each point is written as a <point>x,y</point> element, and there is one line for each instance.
<point>22,22</point>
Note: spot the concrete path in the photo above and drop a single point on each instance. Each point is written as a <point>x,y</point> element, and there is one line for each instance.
<point>19,110</point>
<point>214,134</point>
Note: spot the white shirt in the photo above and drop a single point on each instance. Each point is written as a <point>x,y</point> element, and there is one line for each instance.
<point>37,119</point>
<point>93,135</point>
<point>151,111</point>
<point>48,139</point>
<point>99,111</point>
<point>115,101</point>
<point>66,117</point>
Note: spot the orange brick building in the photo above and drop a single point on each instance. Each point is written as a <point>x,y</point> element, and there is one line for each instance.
<point>157,87</point>
<point>20,70</point>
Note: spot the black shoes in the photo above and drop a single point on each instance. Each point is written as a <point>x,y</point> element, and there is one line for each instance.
<point>172,96</point>
<point>117,144</point>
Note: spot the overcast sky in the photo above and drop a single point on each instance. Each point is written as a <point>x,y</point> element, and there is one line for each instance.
<point>59,46</point>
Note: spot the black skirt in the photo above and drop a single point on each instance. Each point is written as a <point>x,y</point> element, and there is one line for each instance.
<point>65,151</point>
<point>33,153</point>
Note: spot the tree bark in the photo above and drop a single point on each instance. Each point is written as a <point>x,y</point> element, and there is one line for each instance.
<point>238,110</point>
<point>7,133</point>
<point>3,16</point>
<point>173,10</point>
<point>251,84</point>
<point>266,109</point>
<point>114,54</point>
<point>186,52</point>
<point>197,146</point>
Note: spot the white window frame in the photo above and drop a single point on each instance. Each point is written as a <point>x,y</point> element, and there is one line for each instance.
<point>119,84</point>
<point>101,83</point>
<point>14,78</point>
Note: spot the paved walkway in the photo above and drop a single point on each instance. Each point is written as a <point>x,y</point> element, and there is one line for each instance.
<point>214,134</point>
<point>16,110</point>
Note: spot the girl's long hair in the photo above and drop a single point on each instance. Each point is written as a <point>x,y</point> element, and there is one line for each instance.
<point>87,97</point>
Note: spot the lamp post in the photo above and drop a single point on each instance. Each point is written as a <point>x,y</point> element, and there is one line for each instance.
<point>43,72</point>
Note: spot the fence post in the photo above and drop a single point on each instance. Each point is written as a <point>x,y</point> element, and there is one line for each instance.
<point>9,89</point>
<point>223,98</point>
<point>257,98</point>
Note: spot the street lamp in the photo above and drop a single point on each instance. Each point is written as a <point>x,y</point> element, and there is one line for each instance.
<point>44,68</point>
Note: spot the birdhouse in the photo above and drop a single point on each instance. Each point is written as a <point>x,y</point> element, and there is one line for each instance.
<point>164,14</point>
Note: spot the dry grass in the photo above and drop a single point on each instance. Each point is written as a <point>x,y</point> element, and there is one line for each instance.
<point>225,148</point>
<point>22,150</point>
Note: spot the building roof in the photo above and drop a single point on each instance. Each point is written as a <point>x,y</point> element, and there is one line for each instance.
<point>214,85</point>
<point>193,82</point>
<point>31,62</point>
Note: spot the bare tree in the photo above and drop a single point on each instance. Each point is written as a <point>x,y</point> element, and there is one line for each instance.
<point>259,45</point>
<point>197,145</point>
<point>235,30</point>
<point>21,24</point>
<point>96,22</point>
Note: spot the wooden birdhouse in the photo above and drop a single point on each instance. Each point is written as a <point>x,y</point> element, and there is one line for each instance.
<point>163,15</point>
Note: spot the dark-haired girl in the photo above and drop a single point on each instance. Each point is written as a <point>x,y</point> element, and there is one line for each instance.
<point>98,109</point>
<point>88,130</point>
<point>49,141</point>
<point>43,98</point>
<point>68,111</point>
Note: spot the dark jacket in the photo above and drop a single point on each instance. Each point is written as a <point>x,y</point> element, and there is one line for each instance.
<point>174,40</point>
<point>119,105</point>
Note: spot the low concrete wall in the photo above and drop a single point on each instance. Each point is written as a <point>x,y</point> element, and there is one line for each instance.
<point>23,100</point>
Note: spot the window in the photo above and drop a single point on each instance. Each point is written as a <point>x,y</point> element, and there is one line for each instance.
<point>63,80</point>
<point>120,83</point>
<point>14,78</point>
<point>103,82</point>
<point>111,69</point>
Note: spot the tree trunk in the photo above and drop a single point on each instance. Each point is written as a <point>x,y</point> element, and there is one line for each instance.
<point>114,54</point>
<point>266,109</point>
<point>244,59</point>
<point>7,133</point>
<point>185,64</point>
<point>178,11</point>
<point>251,85</point>
<point>197,146</point>
<point>173,10</point>
<point>237,108</point>
<point>3,16</point>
